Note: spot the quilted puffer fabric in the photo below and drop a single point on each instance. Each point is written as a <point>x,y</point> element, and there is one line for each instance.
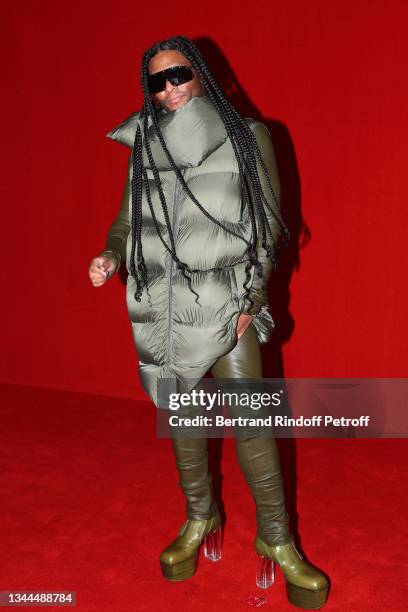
<point>175,336</point>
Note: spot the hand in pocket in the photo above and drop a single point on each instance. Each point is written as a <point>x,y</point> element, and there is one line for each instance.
<point>244,321</point>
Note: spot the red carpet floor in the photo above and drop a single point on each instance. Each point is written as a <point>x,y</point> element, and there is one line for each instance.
<point>90,497</point>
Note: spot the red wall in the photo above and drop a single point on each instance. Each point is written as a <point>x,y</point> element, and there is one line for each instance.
<point>329,79</point>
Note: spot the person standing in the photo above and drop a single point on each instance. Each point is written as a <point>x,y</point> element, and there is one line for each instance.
<point>199,229</point>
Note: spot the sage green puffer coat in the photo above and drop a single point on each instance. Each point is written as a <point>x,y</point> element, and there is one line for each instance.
<point>174,336</point>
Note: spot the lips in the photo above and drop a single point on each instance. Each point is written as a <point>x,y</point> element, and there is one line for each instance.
<point>175,99</point>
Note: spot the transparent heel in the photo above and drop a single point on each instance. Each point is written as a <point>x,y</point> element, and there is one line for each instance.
<point>265,572</point>
<point>212,545</point>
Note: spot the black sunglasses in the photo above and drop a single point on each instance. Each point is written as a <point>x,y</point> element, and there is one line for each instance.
<point>177,75</point>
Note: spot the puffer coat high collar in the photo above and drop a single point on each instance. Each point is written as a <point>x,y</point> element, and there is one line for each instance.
<point>191,133</point>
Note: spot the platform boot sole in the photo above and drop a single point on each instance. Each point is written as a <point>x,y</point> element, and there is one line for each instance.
<point>180,571</point>
<point>305,598</point>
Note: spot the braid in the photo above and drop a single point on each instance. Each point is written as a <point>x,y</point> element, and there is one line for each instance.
<point>247,153</point>
<point>136,220</point>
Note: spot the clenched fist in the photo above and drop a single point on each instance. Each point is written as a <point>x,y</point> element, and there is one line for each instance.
<point>102,268</point>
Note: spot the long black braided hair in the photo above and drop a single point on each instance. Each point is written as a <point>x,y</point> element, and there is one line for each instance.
<point>246,151</point>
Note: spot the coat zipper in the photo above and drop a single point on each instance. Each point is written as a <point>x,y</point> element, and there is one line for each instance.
<point>174,227</point>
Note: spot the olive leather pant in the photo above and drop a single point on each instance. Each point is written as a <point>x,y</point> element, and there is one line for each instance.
<point>258,456</point>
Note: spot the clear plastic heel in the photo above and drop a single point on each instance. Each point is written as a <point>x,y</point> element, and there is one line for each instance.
<point>265,572</point>
<point>212,545</point>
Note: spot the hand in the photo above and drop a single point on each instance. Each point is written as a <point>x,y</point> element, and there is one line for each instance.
<point>101,269</point>
<point>244,321</point>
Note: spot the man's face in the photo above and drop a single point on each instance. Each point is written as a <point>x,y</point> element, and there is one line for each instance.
<point>175,96</point>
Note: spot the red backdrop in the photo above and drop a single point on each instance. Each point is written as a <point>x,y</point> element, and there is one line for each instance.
<point>329,80</point>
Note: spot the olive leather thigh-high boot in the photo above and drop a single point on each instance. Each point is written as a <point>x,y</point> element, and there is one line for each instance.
<point>191,456</point>
<point>259,461</point>
<point>258,456</point>
<point>180,558</point>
